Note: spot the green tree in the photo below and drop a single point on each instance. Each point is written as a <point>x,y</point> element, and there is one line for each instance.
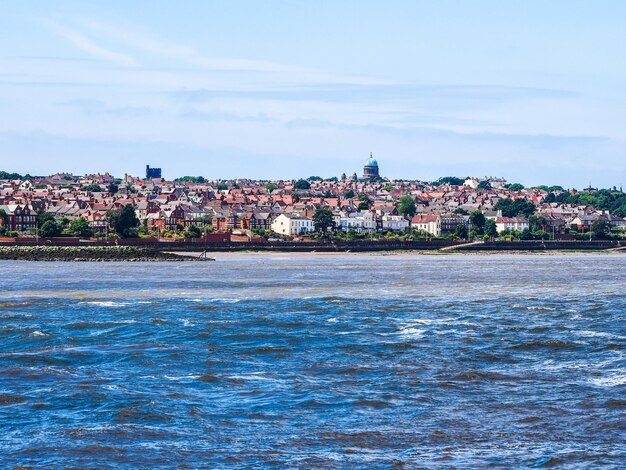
<point>364,204</point>
<point>515,207</point>
<point>478,221</point>
<point>4,217</point>
<point>191,179</point>
<point>323,219</point>
<point>484,185</point>
<point>451,180</point>
<point>49,229</point>
<point>600,229</point>
<point>349,194</point>
<point>407,207</point>
<point>515,187</point>
<point>11,176</point>
<point>315,178</point>
<point>302,184</point>
<point>460,231</point>
<point>92,188</point>
<point>537,223</point>
<point>124,221</point>
<point>270,187</point>
<point>194,232</point>
<point>222,186</point>
<point>42,217</point>
<point>490,228</point>
<point>80,227</point>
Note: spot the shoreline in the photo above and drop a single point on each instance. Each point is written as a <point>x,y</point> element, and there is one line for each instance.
<point>149,254</point>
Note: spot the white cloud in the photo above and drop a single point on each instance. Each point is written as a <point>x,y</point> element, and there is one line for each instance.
<point>149,44</point>
<point>85,44</point>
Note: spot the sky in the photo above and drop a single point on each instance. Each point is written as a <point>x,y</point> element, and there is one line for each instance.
<point>532,91</point>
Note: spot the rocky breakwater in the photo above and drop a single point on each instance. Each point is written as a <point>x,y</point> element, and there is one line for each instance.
<point>90,253</point>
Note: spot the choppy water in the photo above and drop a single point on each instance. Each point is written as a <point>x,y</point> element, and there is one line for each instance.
<point>353,361</point>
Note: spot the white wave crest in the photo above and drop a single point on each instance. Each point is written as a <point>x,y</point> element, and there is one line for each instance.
<point>610,381</point>
<point>106,303</point>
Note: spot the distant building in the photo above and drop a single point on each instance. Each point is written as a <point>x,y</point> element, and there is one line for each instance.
<point>152,172</point>
<point>370,170</point>
<point>471,182</point>
<point>511,223</point>
<point>394,222</point>
<point>292,225</point>
<point>430,223</point>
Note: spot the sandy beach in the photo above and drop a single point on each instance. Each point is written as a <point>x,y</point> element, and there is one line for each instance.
<point>276,255</point>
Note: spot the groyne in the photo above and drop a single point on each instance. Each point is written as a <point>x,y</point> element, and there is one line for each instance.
<point>92,253</point>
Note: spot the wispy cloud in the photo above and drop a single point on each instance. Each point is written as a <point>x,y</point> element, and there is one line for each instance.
<point>459,94</point>
<point>87,45</point>
<point>149,44</point>
<point>92,107</point>
<point>190,55</point>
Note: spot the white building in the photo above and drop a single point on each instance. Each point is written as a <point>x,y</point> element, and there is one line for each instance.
<point>511,223</point>
<point>292,225</point>
<point>394,222</point>
<point>363,221</point>
<point>427,223</point>
<point>471,183</point>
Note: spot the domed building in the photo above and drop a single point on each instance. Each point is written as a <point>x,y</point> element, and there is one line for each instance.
<point>370,170</point>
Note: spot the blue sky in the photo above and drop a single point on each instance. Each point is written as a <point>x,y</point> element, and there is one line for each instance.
<point>534,91</point>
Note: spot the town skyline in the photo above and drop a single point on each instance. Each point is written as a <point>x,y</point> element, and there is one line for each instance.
<point>175,177</point>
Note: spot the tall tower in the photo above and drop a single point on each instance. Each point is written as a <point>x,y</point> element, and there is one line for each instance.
<point>370,170</point>
<point>152,172</point>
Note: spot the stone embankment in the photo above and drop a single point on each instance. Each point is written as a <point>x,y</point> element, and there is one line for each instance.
<point>95,253</point>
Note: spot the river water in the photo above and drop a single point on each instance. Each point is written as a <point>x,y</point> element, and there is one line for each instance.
<point>315,361</point>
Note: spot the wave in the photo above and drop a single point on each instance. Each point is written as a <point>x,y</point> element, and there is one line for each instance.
<point>106,303</point>
<point>609,381</point>
<point>410,332</point>
<point>40,333</point>
<point>533,307</point>
<point>599,334</point>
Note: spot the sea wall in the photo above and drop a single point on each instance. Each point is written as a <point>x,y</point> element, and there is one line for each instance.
<point>155,246</point>
<point>199,245</point>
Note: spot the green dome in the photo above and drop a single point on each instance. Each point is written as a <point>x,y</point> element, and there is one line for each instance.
<point>371,162</point>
